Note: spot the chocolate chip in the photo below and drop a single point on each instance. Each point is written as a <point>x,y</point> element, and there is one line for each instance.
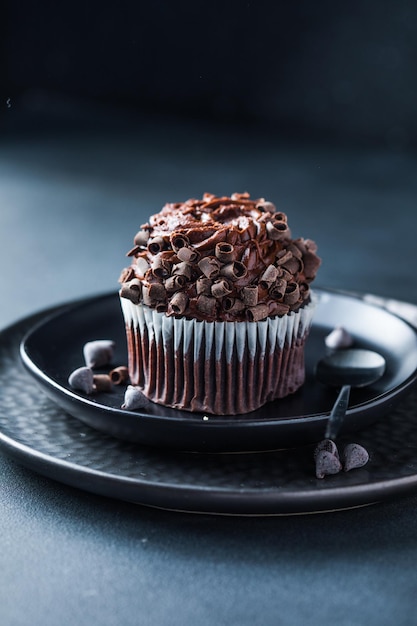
<point>82,379</point>
<point>98,353</point>
<point>354,456</point>
<point>134,399</point>
<point>327,463</point>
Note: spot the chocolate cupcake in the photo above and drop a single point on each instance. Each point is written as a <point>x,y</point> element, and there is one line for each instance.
<point>217,305</point>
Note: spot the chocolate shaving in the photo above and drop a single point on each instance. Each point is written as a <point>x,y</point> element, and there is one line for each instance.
<point>119,375</point>
<point>277,229</point>
<point>234,270</point>
<point>207,305</point>
<point>155,245</point>
<point>311,264</point>
<point>283,257</point>
<point>210,266</point>
<point>102,382</point>
<point>188,254</point>
<point>257,313</point>
<point>225,252</point>
<point>160,267</point>
<point>178,241</point>
<point>173,283</point>
<point>203,285</point>
<point>178,303</point>
<point>142,266</point>
<point>220,288</point>
<point>183,269</point>
<point>232,305</point>
<point>153,293</point>
<point>134,251</point>
<point>293,265</point>
<point>127,274</point>
<point>250,295</point>
<point>292,293</point>
<point>269,276</point>
<point>141,238</point>
<point>277,290</point>
<point>132,290</point>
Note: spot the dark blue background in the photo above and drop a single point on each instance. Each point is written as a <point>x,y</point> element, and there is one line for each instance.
<point>332,70</point>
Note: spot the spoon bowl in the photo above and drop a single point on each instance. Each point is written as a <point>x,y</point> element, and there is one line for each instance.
<point>354,367</point>
<point>347,369</point>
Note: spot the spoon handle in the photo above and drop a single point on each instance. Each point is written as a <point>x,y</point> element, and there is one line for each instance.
<point>338,413</point>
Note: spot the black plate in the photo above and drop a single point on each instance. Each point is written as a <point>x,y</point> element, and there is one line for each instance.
<point>54,348</point>
<point>39,435</point>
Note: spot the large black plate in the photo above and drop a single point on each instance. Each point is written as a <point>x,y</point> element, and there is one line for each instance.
<point>39,435</point>
<point>54,348</point>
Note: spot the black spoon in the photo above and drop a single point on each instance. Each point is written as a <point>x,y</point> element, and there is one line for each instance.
<point>347,368</point>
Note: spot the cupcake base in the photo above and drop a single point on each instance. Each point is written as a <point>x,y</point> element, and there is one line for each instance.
<point>224,368</point>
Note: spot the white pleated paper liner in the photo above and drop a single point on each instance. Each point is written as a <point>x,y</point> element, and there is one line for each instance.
<point>224,368</point>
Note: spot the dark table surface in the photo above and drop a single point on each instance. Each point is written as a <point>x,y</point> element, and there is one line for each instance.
<point>70,202</point>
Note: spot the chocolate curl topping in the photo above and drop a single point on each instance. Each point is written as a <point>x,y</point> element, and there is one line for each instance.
<point>311,264</point>
<point>210,266</point>
<point>178,303</point>
<point>187,254</point>
<point>119,375</point>
<point>132,290</point>
<point>133,251</point>
<point>225,252</point>
<point>141,238</point>
<point>220,288</point>
<point>155,245</point>
<point>102,382</point>
<point>207,305</point>
<point>283,257</point>
<point>174,283</point>
<point>264,205</point>
<point>182,269</point>
<point>142,266</point>
<point>277,290</point>
<point>155,292</point>
<point>203,285</point>
<point>257,313</point>
<point>292,293</point>
<point>178,241</point>
<point>160,267</point>
<point>293,265</point>
<point>233,305</point>
<point>234,270</point>
<point>269,276</point>
<point>277,229</point>
<point>127,274</point>
<point>250,295</point>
